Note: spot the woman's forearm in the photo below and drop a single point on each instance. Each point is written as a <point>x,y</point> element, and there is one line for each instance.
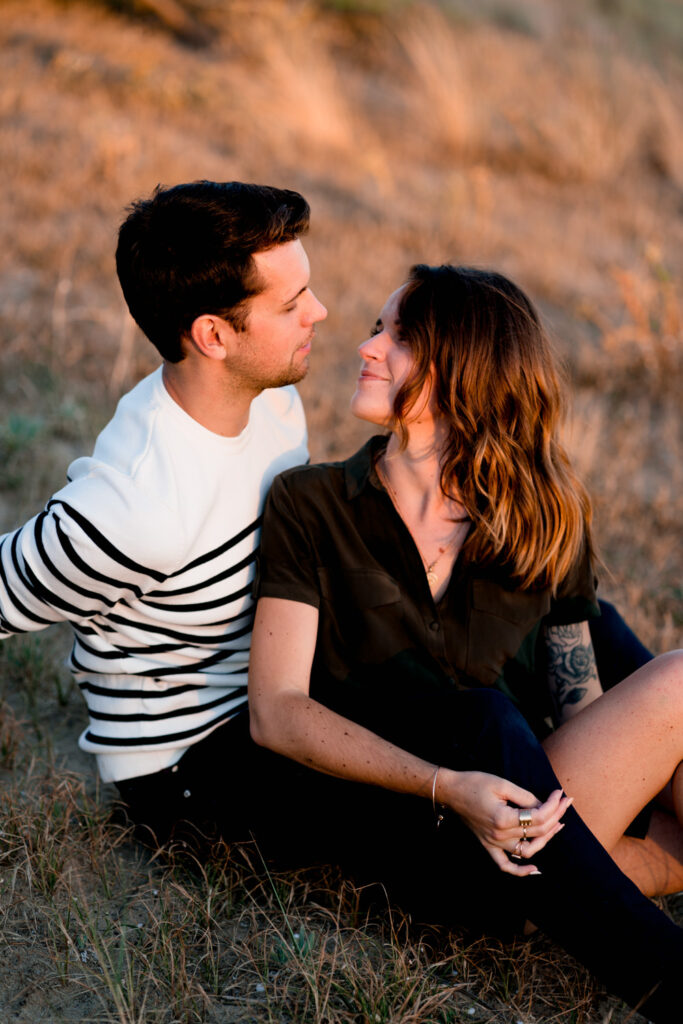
<point>299,727</point>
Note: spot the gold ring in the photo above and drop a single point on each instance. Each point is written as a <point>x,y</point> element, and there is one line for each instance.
<point>525,817</point>
<point>524,835</point>
<point>517,852</point>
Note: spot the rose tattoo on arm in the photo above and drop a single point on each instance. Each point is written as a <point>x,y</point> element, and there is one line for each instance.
<point>572,673</point>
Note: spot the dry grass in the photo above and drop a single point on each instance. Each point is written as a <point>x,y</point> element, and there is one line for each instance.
<point>96,930</point>
<point>540,138</point>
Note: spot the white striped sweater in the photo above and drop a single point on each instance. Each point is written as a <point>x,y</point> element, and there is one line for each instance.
<point>150,553</point>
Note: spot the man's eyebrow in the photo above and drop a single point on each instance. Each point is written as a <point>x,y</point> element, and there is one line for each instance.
<point>288,302</point>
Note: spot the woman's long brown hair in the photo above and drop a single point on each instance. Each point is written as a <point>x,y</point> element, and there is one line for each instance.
<point>478,339</point>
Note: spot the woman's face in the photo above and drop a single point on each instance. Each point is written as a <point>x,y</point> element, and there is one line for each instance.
<point>387,363</point>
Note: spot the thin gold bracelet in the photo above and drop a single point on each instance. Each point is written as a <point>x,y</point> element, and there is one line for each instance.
<point>437,814</point>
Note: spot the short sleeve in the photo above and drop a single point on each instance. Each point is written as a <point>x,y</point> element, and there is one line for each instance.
<point>576,598</point>
<point>287,565</point>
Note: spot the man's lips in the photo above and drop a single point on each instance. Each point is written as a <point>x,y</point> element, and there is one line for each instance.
<point>306,347</point>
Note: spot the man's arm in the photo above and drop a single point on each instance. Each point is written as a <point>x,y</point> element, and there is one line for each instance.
<point>286,719</point>
<point>572,674</point>
<point>61,566</point>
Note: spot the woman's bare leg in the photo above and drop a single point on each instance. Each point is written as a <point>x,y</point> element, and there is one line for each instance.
<point>616,755</point>
<point>655,863</point>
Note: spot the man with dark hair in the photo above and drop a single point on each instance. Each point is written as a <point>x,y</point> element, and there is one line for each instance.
<point>149,551</point>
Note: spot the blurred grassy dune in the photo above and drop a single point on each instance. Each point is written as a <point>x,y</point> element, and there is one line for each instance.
<point>538,137</point>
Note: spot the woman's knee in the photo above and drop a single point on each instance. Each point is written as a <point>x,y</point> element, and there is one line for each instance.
<point>662,682</point>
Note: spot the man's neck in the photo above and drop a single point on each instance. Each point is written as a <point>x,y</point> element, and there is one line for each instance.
<point>208,398</point>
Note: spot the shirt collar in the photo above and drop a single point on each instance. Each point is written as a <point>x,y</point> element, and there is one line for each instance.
<point>360,470</point>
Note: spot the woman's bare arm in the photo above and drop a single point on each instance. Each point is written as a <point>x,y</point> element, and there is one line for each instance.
<point>572,673</point>
<point>286,719</point>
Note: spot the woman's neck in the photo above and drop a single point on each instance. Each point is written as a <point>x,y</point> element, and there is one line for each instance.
<point>414,472</point>
<point>438,525</point>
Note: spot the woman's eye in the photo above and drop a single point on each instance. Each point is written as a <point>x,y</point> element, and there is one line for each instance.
<point>377,329</point>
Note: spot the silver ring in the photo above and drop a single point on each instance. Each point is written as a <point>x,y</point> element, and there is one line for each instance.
<point>525,817</point>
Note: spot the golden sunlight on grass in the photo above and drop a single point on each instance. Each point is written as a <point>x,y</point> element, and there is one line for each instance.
<point>543,139</point>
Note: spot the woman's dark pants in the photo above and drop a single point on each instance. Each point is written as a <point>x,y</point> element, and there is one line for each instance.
<point>581,899</point>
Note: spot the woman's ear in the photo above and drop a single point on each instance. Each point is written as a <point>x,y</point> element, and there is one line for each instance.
<point>210,335</point>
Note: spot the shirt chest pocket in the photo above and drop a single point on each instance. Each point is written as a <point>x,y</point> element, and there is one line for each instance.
<point>365,609</point>
<point>498,622</point>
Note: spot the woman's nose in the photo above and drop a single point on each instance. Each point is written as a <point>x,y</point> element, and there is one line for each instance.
<point>370,348</point>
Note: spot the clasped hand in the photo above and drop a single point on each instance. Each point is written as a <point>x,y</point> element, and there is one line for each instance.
<point>483,802</point>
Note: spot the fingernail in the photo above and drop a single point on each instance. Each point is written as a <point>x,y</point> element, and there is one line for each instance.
<point>534,872</point>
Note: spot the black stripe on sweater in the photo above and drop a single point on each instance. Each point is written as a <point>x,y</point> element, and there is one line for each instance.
<point>200,606</point>
<point>216,552</point>
<point>21,608</point>
<point>105,545</point>
<point>103,716</point>
<point>104,691</point>
<point>205,583</point>
<point>87,570</point>
<point>171,737</point>
<point>52,568</point>
<point>194,640</point>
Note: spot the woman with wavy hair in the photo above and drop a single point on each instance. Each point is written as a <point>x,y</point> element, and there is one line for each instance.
<point>423,623</point>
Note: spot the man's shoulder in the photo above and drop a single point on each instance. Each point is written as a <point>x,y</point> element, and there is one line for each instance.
<point>111,505</point>
<point>127,437</point>
<point>127,489</point>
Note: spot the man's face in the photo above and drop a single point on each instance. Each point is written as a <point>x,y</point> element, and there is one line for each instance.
<point>273,348</point>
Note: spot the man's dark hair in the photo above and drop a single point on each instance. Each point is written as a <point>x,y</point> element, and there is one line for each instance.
<point>188,250</point>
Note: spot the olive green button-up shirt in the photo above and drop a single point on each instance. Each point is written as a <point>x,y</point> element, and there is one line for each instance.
<point>332,538</point>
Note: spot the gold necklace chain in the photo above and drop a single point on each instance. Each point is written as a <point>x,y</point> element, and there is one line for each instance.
<point>432,577</point>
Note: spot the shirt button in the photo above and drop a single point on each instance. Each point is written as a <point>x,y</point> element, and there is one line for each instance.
<point>435,626</point>
<point>186,793</point>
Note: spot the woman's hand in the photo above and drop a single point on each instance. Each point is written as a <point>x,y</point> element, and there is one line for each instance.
<point>483,802</point>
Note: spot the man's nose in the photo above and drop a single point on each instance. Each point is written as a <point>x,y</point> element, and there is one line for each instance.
<point>318,311</point>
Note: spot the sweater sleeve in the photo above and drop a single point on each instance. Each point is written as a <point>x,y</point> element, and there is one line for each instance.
<point>95,544</point>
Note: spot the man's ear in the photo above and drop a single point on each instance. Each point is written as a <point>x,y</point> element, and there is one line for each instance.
<point>210,335</point>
